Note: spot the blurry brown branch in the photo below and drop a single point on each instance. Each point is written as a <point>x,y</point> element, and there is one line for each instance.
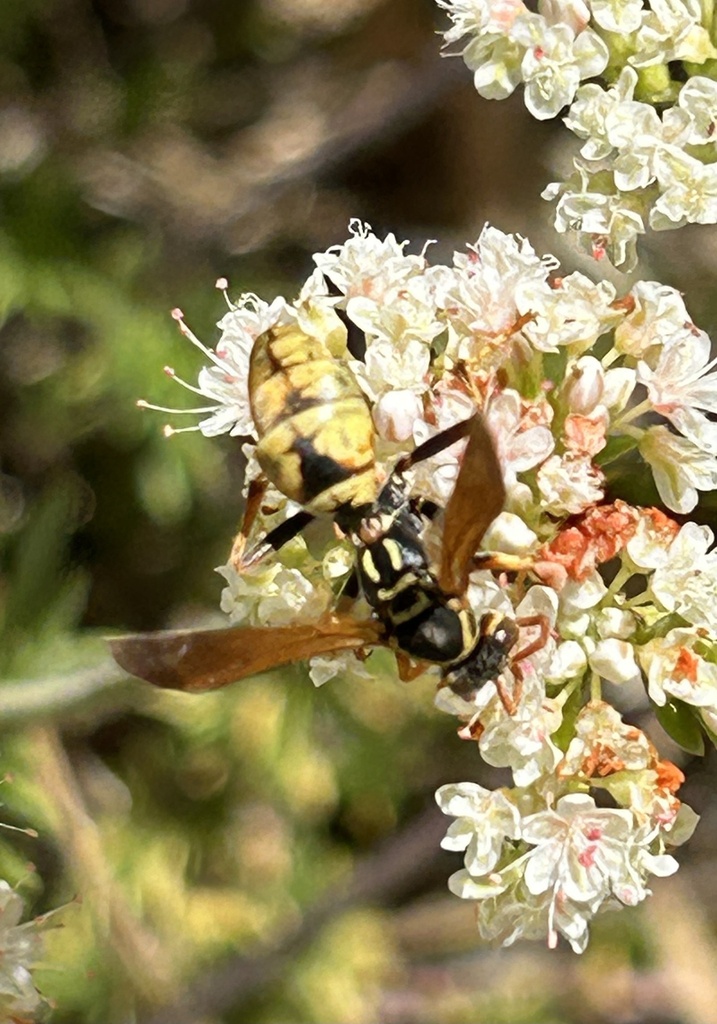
<point>117,927</point>
<point>32,700</point>
<point>386,876</point>
<point>318,118</point>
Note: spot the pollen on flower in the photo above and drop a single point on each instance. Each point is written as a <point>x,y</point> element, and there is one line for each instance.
<point>669,776</point>
<point>686,666</point>
<point>600,535</point>
<point>587,857</point>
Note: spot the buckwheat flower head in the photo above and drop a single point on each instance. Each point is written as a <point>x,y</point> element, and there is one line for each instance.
<point>647,144</point>
<point>572,379</point>
<point>558,869</point>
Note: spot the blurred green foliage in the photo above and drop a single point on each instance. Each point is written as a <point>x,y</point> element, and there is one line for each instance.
<point>146,148</point>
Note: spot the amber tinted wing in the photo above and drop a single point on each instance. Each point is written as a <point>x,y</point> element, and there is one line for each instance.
<point>477,499</point>
<point>198,660</point>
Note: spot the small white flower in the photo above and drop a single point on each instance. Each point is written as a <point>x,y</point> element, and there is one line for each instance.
<point>698,98</point>
<point>614,660</point>
<point>611,220</point>
<point>640,135</point>
<point>659,314</point>
<point>396,414</point>
<point>481,17</point>
<point>272,595</point>
<point>676,669</point>
<point>344,665</point>
<point>20,948</point>
<point>686,582</point>
<point>649,547</point>
<point>555,62</point>
<point>367,266</point>
<point>616,622</point>
<point>509,533</point>
<point>588,114</point>
<point>576,312</point>
<point>682,388</point>
<point>568,661</point>
<point>511,913</point>
<point>689,190</point>
<point>679,467</point>
<point>580,850</point>
<point>485,819</point>
<point>622,16</point>
<point>604,745</point>
<point>569,483</point>
<point>225,380</point>
<point>478,294</point>
<point>672,30</point>
<point>496,66</point>
<point>523,439</point>
<point>521,741</point>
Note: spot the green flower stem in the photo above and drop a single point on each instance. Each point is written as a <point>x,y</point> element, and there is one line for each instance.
<point>595,687</point>
<point>569,688</point>
<point>621,577</point>
<point>632,414</point>
<point>635,432</point>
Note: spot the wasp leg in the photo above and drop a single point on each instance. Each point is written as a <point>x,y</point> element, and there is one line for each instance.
<point>274,540</point>
<point>434,445</point>
<point>472,730</point>
<point>499,562</point>
<point>409,668</point>
<point>511,701</point>
<point>540,641</point>
<point>257,489</point>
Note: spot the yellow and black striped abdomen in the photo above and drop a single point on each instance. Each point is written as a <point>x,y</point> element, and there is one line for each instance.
<point>316,435</point>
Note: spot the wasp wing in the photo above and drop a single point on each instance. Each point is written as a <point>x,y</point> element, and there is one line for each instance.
<point>477,498</point>
<point>198,660</point>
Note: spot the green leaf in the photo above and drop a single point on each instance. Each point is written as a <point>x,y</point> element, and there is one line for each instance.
<point>571,709</point>
<point>681,723</point>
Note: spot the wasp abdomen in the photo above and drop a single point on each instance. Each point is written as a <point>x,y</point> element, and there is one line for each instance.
<point>315,427</point>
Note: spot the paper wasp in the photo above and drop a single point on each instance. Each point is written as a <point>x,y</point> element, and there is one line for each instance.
<point>316,444</point>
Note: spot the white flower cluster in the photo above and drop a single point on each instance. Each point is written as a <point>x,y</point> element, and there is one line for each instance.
<point>636,167</point>
<point>499,331</point>
<point>20,948</point>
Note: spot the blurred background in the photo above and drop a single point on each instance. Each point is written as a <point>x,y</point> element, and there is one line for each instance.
<point>269,853</point>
